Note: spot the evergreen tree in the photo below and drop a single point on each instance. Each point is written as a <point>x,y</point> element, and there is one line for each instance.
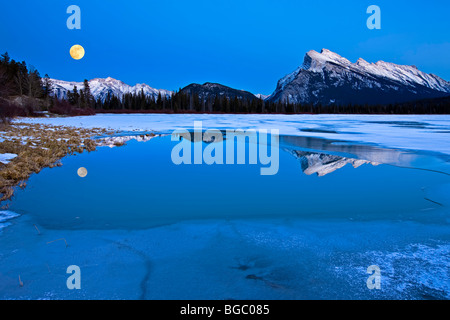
<point>88,97</point>
<point>74,96</point>
<point>47,87</point>
<point>142,101</point>
<point>5,58</point>
<point>82,99</point>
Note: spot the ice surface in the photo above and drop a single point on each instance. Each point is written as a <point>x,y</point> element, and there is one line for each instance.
<point>237,259</point>
<point>416,132</point>
<point>5,216</point>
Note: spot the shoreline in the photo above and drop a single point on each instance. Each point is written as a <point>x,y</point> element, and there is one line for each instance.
<point>38,146</point>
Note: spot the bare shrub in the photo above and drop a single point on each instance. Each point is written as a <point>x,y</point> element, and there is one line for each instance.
<point>8,111</point>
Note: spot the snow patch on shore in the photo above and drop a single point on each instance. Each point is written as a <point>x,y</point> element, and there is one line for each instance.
<point>7,157</point>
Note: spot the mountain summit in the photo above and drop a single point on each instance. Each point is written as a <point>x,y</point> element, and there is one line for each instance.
<point>100,88</point>
<point>327,78</point>
<point>210,91</point>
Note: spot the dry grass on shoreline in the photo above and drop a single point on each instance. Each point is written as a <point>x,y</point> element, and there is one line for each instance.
<point>38,146</point>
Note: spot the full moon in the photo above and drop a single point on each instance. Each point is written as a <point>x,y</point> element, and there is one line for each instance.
<point>77,52</point>
<point>82,172</point>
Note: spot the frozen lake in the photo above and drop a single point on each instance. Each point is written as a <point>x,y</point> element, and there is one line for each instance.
<point>350,192</point>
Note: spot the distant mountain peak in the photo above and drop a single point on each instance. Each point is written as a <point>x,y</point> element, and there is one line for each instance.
<point>102,87</point>
<point>262,96</point>
<point>210,90</point>
<point>214,85</point>
<point>362,62</point>
<point>326,55</point>
<point>327,77</point>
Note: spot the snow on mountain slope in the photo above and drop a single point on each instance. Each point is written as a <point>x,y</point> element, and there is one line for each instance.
<point>262,96</point>
<point>100,88</point>
<point>327,78</point>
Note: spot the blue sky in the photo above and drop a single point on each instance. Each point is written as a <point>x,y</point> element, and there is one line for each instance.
<point>245,44</point>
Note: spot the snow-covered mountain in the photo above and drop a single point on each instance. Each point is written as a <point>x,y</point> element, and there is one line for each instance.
<point>262,96</point>
<point>327,78</point>
<point>100,88</point>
